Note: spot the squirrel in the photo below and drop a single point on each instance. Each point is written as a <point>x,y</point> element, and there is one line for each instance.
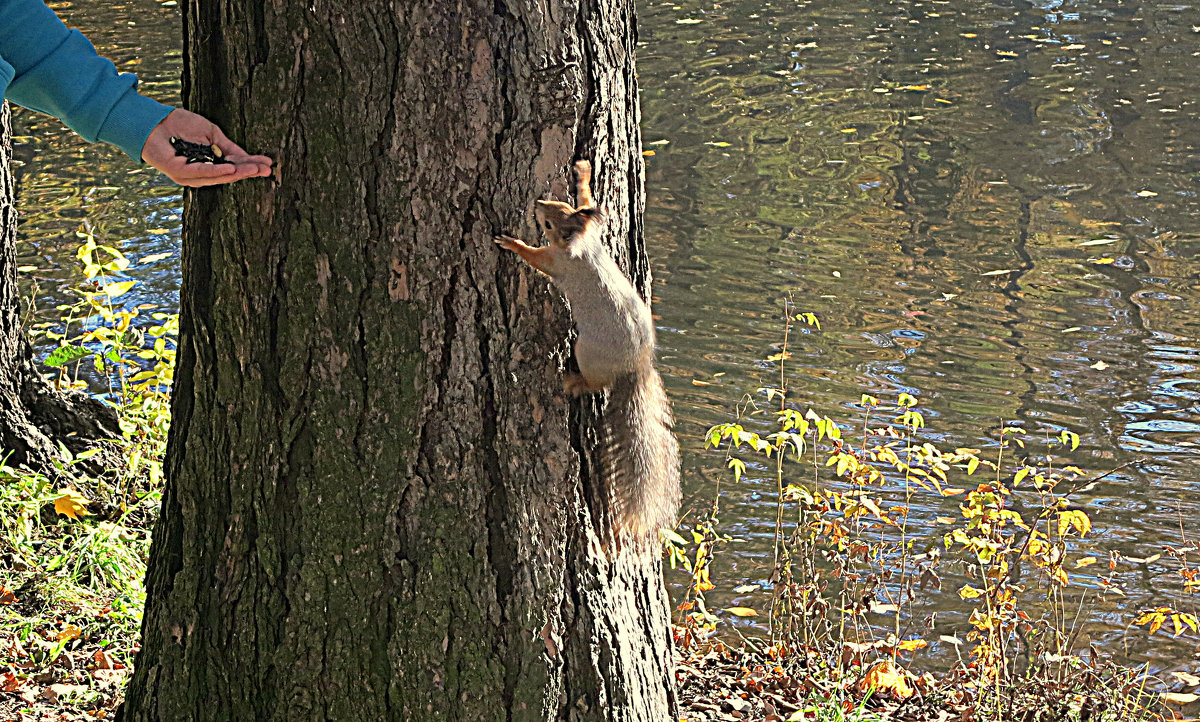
<point>615,351</point>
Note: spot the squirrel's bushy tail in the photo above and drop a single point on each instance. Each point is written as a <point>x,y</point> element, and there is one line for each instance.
<point>641,457</point>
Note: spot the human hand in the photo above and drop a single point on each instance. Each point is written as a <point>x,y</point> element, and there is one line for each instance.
<point>189,126</point>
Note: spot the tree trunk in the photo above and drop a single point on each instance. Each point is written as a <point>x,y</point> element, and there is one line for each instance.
<point>34,417</point>
<point>379,504</point>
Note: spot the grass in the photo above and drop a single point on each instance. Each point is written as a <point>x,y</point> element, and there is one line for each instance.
<point>73,545</point>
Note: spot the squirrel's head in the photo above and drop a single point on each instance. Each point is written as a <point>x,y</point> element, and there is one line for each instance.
<point>560,222</point>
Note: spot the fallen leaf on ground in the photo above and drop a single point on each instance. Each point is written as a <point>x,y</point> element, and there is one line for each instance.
<point>69,632</point>
<point>72,504</point>
<point>54,691</point>
<point>886,679</point>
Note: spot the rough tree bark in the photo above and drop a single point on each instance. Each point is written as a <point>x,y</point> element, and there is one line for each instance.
<point>380,505</point>
<point>34,417</point>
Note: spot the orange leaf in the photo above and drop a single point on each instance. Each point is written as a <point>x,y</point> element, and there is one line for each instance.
<point>69,632</point>
<point>6,595</point>
<point>909,645</point>
<point>102,660</point>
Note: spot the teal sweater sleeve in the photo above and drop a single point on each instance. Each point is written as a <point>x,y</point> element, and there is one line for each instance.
<point>57,71</point>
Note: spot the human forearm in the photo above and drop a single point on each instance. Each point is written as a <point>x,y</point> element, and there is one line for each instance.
<point>58,72</point>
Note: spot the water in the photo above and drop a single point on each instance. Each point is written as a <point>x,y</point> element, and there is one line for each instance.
<point>990,206</point>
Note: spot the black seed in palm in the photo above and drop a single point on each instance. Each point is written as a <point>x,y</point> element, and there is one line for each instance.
<point>198,152</point>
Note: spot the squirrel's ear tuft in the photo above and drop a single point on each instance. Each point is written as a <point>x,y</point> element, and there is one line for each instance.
<point>589,214</point>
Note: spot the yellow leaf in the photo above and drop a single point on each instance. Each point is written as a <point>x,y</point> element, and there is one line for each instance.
<point>1156,622</point>
<point>1006,54</point>
<point>1074,518</point>
<point>1178,697</point>
<point>1106,261</point>
<point>118,288</point>
<point>647,152</point>
<point>71,503</point>
<point>1190,620</point>
<point>970,592</point>
<point>1085,562</point>
<point>887,679</point>
<point>742,611</point>
<point>953,492</point>
<point>909,645</point>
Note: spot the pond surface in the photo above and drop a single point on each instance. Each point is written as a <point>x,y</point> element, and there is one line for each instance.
<point>991,206</point>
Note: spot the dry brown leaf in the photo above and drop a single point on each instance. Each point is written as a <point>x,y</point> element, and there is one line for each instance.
<point>1187,678</point>
<point>54,691</point>
<point>9,682</point>
<point>110,676</point>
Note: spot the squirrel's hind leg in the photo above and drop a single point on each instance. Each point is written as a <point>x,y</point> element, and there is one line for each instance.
<point>576,384</point>
<point>583,184</point>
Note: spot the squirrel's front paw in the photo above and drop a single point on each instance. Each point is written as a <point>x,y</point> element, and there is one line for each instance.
<point>507,242</point>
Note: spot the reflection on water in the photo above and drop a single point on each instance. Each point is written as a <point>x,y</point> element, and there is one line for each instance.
<point>63,181</point>
<point>990,206</point>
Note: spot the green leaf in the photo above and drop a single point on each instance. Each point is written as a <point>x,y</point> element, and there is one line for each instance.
<point>64,355</point>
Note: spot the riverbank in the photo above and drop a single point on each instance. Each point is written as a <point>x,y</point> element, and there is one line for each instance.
<point>842,616</point>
